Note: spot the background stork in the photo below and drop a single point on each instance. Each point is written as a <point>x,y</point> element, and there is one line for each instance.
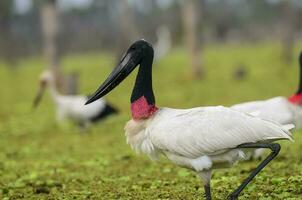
<point>72,106</point>
<point>201,139</point>
<point>283,110</point>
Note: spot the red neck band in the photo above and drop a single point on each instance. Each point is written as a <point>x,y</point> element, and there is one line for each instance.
<point>296,99</point>
<point>141,109</point>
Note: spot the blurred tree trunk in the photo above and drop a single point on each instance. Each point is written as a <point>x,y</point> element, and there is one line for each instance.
<point>50,29</point>
<point>288,29</point>
<point>71,83</point>
<point>191,36</point>
<point>7,50</point>
<point>128,30</point>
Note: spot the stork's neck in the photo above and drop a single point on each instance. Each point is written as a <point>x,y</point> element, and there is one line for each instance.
<point>53,89</point>
<point>297,98</point>
<point>300,76</point>
<point>142,98</point>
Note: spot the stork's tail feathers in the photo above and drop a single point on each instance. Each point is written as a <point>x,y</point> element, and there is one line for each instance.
<point>289,127</point>
<point>285,134</point>
<point>286,128</point>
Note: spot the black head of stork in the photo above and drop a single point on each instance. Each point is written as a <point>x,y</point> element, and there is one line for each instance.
<point>45,78</point>
<point>142,99</point>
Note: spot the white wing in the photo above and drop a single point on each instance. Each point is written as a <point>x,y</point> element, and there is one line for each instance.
<point>76,108</point>
<point>208,130</point>
<point>275,109</point>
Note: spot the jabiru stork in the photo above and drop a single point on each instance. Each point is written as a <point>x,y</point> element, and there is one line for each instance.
<point>284,110</point>
<point>202,138</point>
<point>72,106</point>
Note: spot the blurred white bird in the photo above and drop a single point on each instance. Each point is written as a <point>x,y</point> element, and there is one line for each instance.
<point>201,139</point>
<point>72,106</point>
<point>279,109</point>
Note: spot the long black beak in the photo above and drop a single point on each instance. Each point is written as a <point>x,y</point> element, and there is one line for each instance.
<point>39,96</point>
<point>128,63</point>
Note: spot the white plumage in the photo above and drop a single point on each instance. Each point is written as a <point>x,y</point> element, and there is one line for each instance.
<point>277,109</point>
<point>187,135</point>
<point>73,106</point>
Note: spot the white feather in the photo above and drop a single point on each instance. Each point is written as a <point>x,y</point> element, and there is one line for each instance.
<point>73,107</point>
<point>202,163</point>
<point>255,113</point>
<point>276,109</point>
<point>208,130</point>
<point>185,136</point>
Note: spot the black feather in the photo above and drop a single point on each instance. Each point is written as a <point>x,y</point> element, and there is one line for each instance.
<point>108,110</point>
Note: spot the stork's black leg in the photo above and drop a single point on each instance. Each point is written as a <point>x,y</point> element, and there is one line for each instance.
<point>205,175</point>
<point>207,189</point>
<point>274,147</point>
